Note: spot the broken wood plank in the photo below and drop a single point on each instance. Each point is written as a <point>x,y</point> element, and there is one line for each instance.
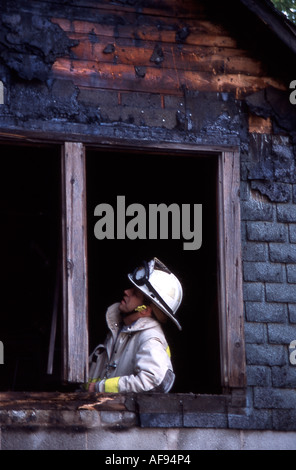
<point>60,400</point>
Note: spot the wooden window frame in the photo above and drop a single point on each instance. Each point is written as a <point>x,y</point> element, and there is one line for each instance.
<point>74,257</point>
<point>74,239</point>
<point>232,349</point>
<point>230,285</point>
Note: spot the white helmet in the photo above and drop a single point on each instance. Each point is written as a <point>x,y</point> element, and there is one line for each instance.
<point>160,285</point>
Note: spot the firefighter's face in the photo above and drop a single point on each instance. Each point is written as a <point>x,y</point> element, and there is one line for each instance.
<point>132,298</point>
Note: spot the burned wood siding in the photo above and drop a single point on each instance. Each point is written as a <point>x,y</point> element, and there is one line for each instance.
<point>162,49</point>
<point>152,64</point>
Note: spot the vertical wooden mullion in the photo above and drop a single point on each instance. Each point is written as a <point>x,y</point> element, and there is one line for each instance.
<point>75,321</point>
<point>231,289</point>
<point>222,280</point>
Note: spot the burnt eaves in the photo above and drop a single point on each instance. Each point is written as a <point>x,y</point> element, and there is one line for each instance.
<point>276,21</point>
<point>259,28</point>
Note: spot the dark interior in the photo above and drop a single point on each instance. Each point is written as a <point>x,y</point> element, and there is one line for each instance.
<point>30,237</point>
<point>159,178</point>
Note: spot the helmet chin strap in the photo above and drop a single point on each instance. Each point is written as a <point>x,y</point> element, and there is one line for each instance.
<point>140,308</point>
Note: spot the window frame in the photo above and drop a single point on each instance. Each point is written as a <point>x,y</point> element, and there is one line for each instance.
<point>74,264</point>
<point>230,285</point>
<point>74,253</point>
<point>230,288</point>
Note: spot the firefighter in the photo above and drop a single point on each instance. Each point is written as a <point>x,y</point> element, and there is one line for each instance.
<point>135,356</point>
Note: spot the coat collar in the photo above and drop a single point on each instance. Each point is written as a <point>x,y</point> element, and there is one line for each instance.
<point>114,321</point>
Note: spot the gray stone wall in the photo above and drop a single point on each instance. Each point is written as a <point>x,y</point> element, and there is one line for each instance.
<point>156,441</point>
<point>269,257</point>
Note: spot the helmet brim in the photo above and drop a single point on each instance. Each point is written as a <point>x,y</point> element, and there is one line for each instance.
<point>144,289</point>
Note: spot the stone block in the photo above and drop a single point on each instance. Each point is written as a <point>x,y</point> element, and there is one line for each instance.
<point>266,312</point>
<point>291,273</point>
<point>258,419</point>
<point>263,272</point>
<point>255,333</point>
<point>284,420</point>
<point>292,312</point>
<point>292,233</point>
<point>272,398</point>
<point>281,334</point>
<point>253,251</point>
<point>259,376</point>
<point>286,213</point>
<point>281,293</point>
<point>265,354</point>
<point>282,253</point>
<point>256,210</point>
<point>284,376</point>
<point>253,291</point>
<point>267,231</point>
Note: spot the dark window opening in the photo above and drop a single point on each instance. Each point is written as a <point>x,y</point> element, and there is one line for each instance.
<point>30,248</point>
<point>148,179</point>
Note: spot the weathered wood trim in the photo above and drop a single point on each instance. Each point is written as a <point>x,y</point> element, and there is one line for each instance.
<point>233,367</point>
<point>75,321</point>
<point>103,141</point>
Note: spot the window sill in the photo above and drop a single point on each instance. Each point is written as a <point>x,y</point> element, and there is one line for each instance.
<point>82,411</point>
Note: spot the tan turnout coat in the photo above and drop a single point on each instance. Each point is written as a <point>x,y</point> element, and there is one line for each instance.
<point>132,359</point>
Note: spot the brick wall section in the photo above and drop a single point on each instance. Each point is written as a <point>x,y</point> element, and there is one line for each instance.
<point>269,273</point>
